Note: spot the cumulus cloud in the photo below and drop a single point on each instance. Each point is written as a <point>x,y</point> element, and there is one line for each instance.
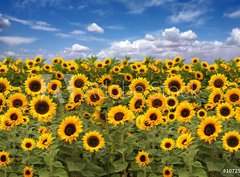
<point>186,16</point>
<point>172,42</point>
<point>16,40</point>
<point>76,51</point>
<point>235,14</point>
<point>94,28</point>
<point>4,22</point>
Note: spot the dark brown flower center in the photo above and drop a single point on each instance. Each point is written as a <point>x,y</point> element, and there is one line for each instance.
<point>201,113</point>
<point>184,141</point>
<point>171,116</point>
<point>157,103</point>
<point>94,97</point>
<point>2,87</point>
<point>35,86</point>
<point>14,116</point>
<point>78,83</point>
<point>218,83</point>
<point>224,111</point>
<point>118,116</point>
<point>70,129</point>
<point>167,172</point>
<point>142,158</point>
<point>194,87</point>
<point>3,158</point>
<point>54,87</point>
<point>234,97</point>
<point>77,98</point>
<point>185,112</point>
<point>153,116</point>
<point>41,107</point>
<point>93,141</point>
<point>209,129</point>
<point>232,141</point>
<point>167,145</point>
<point>216,98</point>
<point>102,116</point>
<point>107,82</point>
<point>171,102</point>
<point>28,145</point>
<point>115,91</point>
<point>27,172</point>
<point>17,103</point>
<point>140,87</point>
<point>138,104</point>
<point>174,86</point>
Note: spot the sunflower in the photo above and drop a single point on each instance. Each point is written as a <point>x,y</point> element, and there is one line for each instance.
<point>124,63</point>
<point>78,81</point>
<point>215,96</point>
<point>5,123</point>
<point>140,85</point>
<point>142,158</point>
<point>209,129</point>
<point>195,60</point>
<point>99,64</point>
<point>167,172</point>
<point>59,75</point>
<point>142,122</point>
<point>115,91</point>
<point>167,144</point>
<point>4,158</point>
<point>154,116</point>
<point>27,172</point>
<point>136,103</point>
<point>2,102</point>
<point>169,63</point>
<point>93,141</point>
<point>225,111</point>
<point>218,81</point>
<point>233,96</point>
<point>54,86</point>
<point>95,96</point>
<point>17,100</point>
<point>193,86</point>
<point>237,116</point>
<point>204,64</point>
<point>119,114</point>
<point>171,117</point>
<point>14,115</point>
<point>34,85</point>
<point>183,141</point>
<point>186,67</point>
<point>174,85</point>
<point>76,97</point>
<point>106,80</point>
<point>107,61</point>
<point>69,129</point>
<point>212,67</point>
<point>156,100</point>
<point>47,67</point>
<point>198,75</point>
<point>231,141</point>
<point>171,102</point>
<point>182,129</point>
<point>28,144</point>
<point>201,113</point>
<point>44,140</point>
<point>177,59</point>
<point>42,108</point>
<point>4,85</point>
<point>184,112</point>
<point>42,129</point>
<point>128,77</point>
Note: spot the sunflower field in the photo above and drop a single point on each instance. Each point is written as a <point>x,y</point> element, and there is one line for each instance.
<point>119,118</point>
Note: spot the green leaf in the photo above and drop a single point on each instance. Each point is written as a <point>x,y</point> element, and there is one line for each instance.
<point>215,166</point>
<point>197,164</point>
<point>199,172</point>
<point>60,172</point>
<point>12,175</point>
<point>44,173</point>
<point>183,173</point>
<point>75,166</point>
<point>152,175</point>
<point>57,164</point>
<point>119,165</point>
<point>36,160</point>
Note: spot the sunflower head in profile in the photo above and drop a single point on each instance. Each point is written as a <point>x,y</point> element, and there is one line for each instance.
<point>2,101</point>
<point>233,96</point>
<point>167,172</point>
<point>209,129</point>
<point>106,80</point>
<point>4,85</point>
<point>136,103</point>
<point>154,116</point>
<point>167,144</point>
<point>231,141</point>
<point>27,172</point>
<point>44,140</point>
<point>95,96</point>
<point>78,81</point>
<point>34,85</point>
<point>17,100</point>
<point>5,123</point>
<point>184,112</point>
<point>142,158</point>
<point>4,158</point>
<point>42,129</point>
<point>93,141</point>
<point>14,115</point>
<point>216,96</point>
<point>70,128</point>
<point>184,140</point>
<point>115,91</point>
<point>171,102</point>
<point>143,123</point>
<point>54,86</point>
<point>174,85</point>
<point>28,144</point>
<point>42,108</point>
<point>218,81</point>
<point>157,100</point>
<point>76,97</point>
<point>119,115</point>
<point>182,129</point>
<point>139,85</point>
<point>193,86</point>
<point>225,111</point>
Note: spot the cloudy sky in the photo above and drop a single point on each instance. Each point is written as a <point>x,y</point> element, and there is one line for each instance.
<point>208,29</point>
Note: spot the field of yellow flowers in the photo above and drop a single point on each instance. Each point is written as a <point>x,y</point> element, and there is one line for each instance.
<point>112,118</point>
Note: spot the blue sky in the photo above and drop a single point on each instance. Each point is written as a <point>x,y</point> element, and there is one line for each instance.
<point>117,28</point>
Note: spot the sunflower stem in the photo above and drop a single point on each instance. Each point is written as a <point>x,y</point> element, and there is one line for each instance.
<point>123,154</point>
<point>145,172</point>
<point>50,162</point>
<point>5,171</point>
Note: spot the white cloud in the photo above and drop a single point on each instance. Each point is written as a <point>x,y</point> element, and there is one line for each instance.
<point>186,16</point>
<point>4,22</point>
<point>16,40</point>
<point>78,32</point>
<point>235,14</point>
<point>115,27</point>
<point>79,48</point>
<point>36,25</point>
<point>95,28</point>
<point>76,51</point>
<point>172,42</point>
<point>234,38</point>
